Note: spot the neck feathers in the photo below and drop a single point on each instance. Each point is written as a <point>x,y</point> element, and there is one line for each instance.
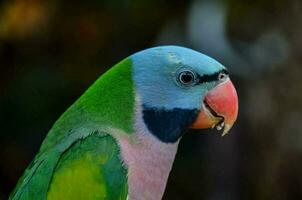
<point>148,159</point>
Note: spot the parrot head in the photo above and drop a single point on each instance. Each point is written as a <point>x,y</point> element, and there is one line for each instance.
<point>179,88</point>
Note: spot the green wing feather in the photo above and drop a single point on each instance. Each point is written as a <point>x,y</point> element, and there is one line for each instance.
<point>90,168</point>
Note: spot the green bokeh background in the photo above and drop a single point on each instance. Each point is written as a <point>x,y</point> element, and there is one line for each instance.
<point>51,51</point>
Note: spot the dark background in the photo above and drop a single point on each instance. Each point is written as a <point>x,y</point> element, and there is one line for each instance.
<point>51,51</point>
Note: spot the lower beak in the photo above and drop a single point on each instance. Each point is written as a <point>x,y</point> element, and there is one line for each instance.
<point>219,109</point>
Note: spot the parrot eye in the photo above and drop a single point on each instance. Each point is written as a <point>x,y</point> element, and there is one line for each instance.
<point>187,78</point>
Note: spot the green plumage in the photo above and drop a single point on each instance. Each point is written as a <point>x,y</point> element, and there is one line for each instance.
<point>90,169</point>
<point>79,159</point>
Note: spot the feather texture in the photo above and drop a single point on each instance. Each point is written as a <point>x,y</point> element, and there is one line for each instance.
<point>105,104</point>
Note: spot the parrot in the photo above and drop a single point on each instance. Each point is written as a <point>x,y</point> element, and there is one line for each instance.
<point>119,139</point>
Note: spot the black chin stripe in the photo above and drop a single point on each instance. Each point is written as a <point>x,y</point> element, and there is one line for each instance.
<point>168,125</point>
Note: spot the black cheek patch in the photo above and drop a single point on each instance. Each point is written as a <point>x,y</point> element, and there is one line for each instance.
<point>168,125</point>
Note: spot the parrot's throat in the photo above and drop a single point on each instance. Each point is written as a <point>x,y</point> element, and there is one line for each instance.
<point>168,125</point>
<point>148,159</point>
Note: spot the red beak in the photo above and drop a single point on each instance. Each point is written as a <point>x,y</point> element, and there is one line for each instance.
<point>220,108</point>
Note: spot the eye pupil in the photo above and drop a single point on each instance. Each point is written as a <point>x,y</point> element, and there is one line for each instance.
<point>186,77</point>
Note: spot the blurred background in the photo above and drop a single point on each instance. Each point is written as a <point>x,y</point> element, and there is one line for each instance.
<point>51,51</point>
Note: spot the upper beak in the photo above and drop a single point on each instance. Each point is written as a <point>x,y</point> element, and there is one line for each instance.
<point>220,108</point>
